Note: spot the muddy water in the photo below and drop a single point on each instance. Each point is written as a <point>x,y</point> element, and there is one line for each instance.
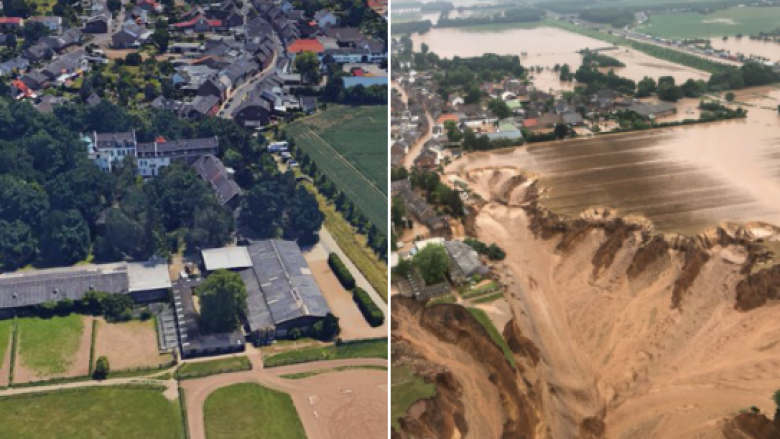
<point>749,47</point>
<point>546,47</point>
<point>684,179</point>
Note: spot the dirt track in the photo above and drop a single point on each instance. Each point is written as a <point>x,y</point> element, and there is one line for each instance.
<point>351,403</point>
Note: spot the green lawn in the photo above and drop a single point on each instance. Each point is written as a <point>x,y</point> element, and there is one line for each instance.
<point>249,411</point>
<point>205,368</point>
<point>496,336</point>
<point>93,413</point>
<point>407,388</point>
<point>47,346</point>
<point>363,349</point>
<point>349,145</point>
<point>729,22</point>
<point>302,375</point>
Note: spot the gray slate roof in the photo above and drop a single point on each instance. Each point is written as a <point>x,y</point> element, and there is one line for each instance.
<point>286,281</point>
<point>29,288</point>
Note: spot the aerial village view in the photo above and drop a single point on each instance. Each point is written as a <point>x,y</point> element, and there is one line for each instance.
<point>585,219</point>
<point>193,219</point>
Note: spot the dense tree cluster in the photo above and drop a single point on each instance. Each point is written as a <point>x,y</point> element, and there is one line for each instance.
<point>492,251</point>
<point>275,206</point>
<point>437,192</point>
<point>591,75</point>
<point>334,91</point>
<point>222,301</point>
<point>57,207</point>
<point>615,17</point>
<point>432,263</point>
<point>599,59</point>
<point>412,27</point>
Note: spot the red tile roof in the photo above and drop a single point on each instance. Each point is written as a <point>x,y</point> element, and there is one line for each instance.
<point>445,117</point>
<point>23,88</point>
<point>306,45</point>
<point>190,23</point>
<point>10,20</point>
<point>530,123</point>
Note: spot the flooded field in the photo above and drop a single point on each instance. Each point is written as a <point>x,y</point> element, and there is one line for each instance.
<point>748,47</point>
<point>684,179</point>
<point>546,47</point>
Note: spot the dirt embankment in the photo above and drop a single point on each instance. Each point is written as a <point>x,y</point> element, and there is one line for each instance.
<point>635,334</point>
<point>479,395</point>
<point>752,426</point>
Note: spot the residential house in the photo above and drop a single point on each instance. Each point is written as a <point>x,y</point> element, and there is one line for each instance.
<point>325,18</point>
<point>12,24</point>
<point>98,24</point>
<point>131,35</point>
<point>53,23</point>
<point>200,107</point>
<point>219,178</point>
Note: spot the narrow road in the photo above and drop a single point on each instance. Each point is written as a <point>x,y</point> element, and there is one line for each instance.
<point>416,149</point>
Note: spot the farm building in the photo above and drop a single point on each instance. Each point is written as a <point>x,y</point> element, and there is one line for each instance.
<point>464,261</point>
<point>143,281</point>
<point>192,341</point>
<point>281,291</point>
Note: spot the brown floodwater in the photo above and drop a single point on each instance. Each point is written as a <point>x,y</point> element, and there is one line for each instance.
<point>546,47</point>
<point>684,179</point>
<point>747,46</point>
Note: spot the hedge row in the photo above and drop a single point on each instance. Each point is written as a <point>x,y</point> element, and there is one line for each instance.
<point>341,271</point>
<point>371,312</point>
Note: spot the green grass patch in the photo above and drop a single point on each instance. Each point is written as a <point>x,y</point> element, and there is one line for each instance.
<point>349,146</point>
<point>249,411</point>
<point>358,349</point>
<point>489,298</point>
<point>205,368</point>
<point>729,22</point>
<point>496,336</point>
<point>479,291</point>
<point>47,346</point>
<point>104,412</point>
<point>447,298</point>
<point>302,375</point>
<point>407,388</point>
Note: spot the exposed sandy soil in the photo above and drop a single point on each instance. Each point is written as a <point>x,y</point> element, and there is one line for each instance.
<point>352,403</point>
<point>128,345</point>
<point>353,324</point>
<point>616,346</point>
<point>498,311</point>
<point>79,362</point>
<point>5,364</point>
<point>482,409</point>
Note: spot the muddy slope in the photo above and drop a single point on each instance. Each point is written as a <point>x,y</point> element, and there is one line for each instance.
<point>636,334</point>
<point>479,395</point>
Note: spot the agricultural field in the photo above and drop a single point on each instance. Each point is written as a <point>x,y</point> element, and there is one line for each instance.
<point>58,346</point>
<point>91,413</point>
<point>728,22</point>
<point>349,145</point>
<point>407,388</point>
<point>244,411</point>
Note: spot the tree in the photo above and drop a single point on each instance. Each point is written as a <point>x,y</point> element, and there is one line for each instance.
<point>17,246</point>
<point>424,48</point>
<point>645,87</point>
<point>133,59</point>
<point>102,368</point>
<point>308,65</point>
<point>123,238</point>
<point>561,130</point>
<point>730,97</point>
<point>32,32</point>
<point>499,108</point>
<point>114,6</point>
<point>212,227</point>
<point>17,8</point>
<point>398,211</point>
<point>432,263</point>
<point>161,38</point>
<point>150,91</point>
<point>669,92</point>
<point>222,301</point>
<point>327,328</point>
<point>11,41</point>
<point>65,238</point>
